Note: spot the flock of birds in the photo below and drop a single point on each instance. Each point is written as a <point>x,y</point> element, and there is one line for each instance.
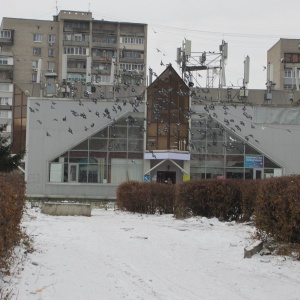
<point>100,104</point>
<point>200,131</point>
<point>203,134</point>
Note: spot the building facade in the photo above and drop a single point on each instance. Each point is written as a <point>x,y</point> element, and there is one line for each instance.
<point>83,149</point>
<point>49,58</point>
<point>284,65</point>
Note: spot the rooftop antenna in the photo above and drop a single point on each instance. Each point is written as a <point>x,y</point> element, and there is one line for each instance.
<point>89,6</point>
<point>244,88</point>
<point>56,8</point>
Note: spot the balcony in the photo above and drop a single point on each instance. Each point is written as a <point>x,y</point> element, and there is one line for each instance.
<point>76,43</point>
<point>76,70</point>
<point>131,60</point>
<point>6,67</point>
<point>6,37</point>
<point>6,76</point>
<point>105,45</point>
<point>76,30</point>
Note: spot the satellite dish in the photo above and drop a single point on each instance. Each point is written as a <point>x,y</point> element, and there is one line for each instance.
<point>27,93</point>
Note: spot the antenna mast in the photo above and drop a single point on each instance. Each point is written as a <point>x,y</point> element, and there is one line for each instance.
<point>213,63</point>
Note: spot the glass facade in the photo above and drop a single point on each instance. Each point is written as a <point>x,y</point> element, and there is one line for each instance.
<point>219,153</point>
<point>112,155</point>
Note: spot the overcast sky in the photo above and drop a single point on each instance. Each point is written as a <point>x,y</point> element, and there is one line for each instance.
<point>249,28</point>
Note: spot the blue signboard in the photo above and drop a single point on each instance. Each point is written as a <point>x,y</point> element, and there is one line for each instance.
<point>147,178</point>
<point>254,161</point>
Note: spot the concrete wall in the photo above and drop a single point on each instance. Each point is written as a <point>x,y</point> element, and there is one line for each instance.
<point>66,209</point>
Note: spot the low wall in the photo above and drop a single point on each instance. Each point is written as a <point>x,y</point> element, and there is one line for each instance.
<point>66,209</point>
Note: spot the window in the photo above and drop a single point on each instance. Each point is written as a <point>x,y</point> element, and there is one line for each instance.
<point>51,65</point>
<point>37,51</point>
<point>5,101</point>
<point>78,37</point>
<point>291,57</point>
<point>51,38</point>
<point>34,64</point>
<point>5,87</point>
<point>5,114</point>
<point>5,34</point>
<point>37,38</point>
<point>287,73</point>
<point>3,61</point>
<point>131,67</point>
<point>131,54</point>
<point>76,50</point>
<point>132,40</point>
<point>50,52</point>
<point>34,77</point>
<point>67,37</point>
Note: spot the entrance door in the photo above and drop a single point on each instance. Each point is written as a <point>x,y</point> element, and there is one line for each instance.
<point>166,177</point>
<point>73,172</point>
<point>258,173</point>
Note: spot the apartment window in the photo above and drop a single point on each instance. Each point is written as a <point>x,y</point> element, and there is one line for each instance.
<point>287,73</point>
<point>67,37</point>
<point>34,64</point>
<point>51,38</point>
<point>131,54</point>
<point>34,77</point>
<point>76,50</point>
<point>50,52</point>
<point>131,67</point>
<point>6,34</point>
<point>5,101</point>
<point>3,61</point>
<point>51,65</point>
<point>37,51</point>
<point>5,114</point>
<point>5,87</point>
<point>37,38</point>
<point>131,40</point>
<point>78,37</point>
<point>292,57</point>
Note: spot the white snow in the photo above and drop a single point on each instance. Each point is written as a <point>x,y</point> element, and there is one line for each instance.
<point>120,255</point>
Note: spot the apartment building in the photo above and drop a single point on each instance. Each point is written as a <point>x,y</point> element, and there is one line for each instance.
<point>284,65</point>
<point>55,58</point>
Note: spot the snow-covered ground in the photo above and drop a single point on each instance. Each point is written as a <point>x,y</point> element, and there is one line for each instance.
<point>120,255</point>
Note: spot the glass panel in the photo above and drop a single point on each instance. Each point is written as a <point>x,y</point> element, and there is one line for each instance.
<point>214,173</point>
<point>98,144</point>
<point>97,155</point>
<point>118,132</point>
<point>118,145</point>
<point>102,133</point>
<point>136,132</point>
<point>235,173</point>
<point>197,173</point>
<point>215,160</point>
<point>82,146</point>
<point>216,148</point>
<point>250,150</point>
<point>249,174</point>
<point>73,173</point>
<point>78,156</point>
<point>135,145</point>
<point>197,160</point>
<point>235,161</point>
<point>83,169</point>
<point>270,164</point>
